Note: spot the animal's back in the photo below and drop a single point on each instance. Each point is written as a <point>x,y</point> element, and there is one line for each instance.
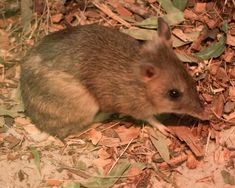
<point>59,76</point>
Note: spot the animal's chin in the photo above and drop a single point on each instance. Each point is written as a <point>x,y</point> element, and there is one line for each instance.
<point>202,115</point>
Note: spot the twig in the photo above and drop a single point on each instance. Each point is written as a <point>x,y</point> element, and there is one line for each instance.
<point>107,11</point>
<point>207,142</point>
<point>120,156</point>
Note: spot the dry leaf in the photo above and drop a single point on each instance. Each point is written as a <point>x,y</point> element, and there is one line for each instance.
<point>54,182</point>
<point>192,162</point>
<point>56,18</point>
<point>230,40</point>
<point>103,154</point>
<point>133,171</point>
<point>94,136</point>
<point>200,7</point>
<point>126,134</point>
<point>122,10</point>
<point>190,15</point>
<point>232,93</point>
<point>229,55</point>
<point>22,121</point>
<point>101,163</point>
<point>110,142</point>
<point>4,40</point>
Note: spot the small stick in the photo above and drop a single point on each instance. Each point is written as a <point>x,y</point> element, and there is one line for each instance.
<point>107,11</point>
<point>120,156</point>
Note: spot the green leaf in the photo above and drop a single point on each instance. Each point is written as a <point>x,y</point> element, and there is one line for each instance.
<point>187,58</point>
<point>106,182</point>
<point>228,178</point>
<point>213,51</point>
<point>180,4</point>
<point>168,6</point>
<point>173,17</point>
<point>140,34</point>
<point>160,143</point>
<point>224,27</point>
<point>73,185</point>
<point>36,157</point>
<point>81,165</point>
<point>146,34</point>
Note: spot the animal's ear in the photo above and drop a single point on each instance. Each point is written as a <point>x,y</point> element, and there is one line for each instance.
<point>147,71</point>
<point>164,32</point>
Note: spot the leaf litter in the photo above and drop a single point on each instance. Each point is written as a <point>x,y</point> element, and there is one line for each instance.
<point>122,154</point>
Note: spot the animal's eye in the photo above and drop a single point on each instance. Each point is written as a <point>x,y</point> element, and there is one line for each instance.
<point>174,94</point>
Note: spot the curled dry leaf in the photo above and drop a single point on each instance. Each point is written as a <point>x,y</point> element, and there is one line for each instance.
<point>94,136</point>
<point>103,154</point>
<point>56,18</point>
<point>230,40</point>
<point>4,40</point>
<point>232,93</point>
<point>190,15</point>
<point>133,171</point>
<point>101,163</point>
<point>218,105</point>
<point>54,182</point>
<point>200,7</point>
<point>126,134</point>
<point>232,72</point>
<point>192,162</point>
<point>22,121</point>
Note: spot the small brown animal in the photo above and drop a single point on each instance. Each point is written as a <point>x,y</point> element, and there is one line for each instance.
<point>73,75</point>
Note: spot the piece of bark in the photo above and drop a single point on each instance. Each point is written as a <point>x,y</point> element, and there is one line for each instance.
<point>185,134</point>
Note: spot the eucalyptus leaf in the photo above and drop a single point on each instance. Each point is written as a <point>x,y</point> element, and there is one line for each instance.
<point>140,34</point>
<point>160,143</point>
<point>106,182</point>
<point>224,27</point>
<point>146,34</point>
<point>73,185</point>
<point>180,4</point>
<point>213,51</point>
<point>36,157</point>
<point>168,6</point>
<point>187,58</point>
<point>228,178</point>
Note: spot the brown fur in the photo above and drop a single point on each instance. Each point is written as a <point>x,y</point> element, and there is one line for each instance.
<point>73,74</point>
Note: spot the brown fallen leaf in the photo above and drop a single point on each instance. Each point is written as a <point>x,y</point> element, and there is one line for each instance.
<point>232,93</point>
<point>190,15</point>
<point>110,142</point>
<point>200,7</point>
<point>132,172</point>
<point>230,40</point>
<point>54,182</point>
<point>101,163</point>
<point>103,154</point>
<point>126,134</point>
<point>230,116</point>
<point>94,135</point>
<point>211,23</point>
<point>232,72</point>
<point>174,161</point>
<point>122,10</point>
<point>56,18</point>
<point>22,121</point>
<point>218,105</point>
<point>4,40</point>
<point>185,134</point>
<point>12,140</point>
<point>229,55</point>
<point>192,162</point>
